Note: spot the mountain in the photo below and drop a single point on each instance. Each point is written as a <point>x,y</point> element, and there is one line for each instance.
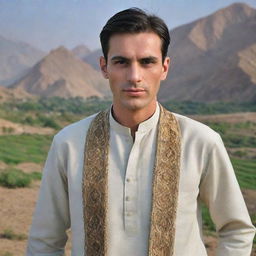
<point>16,59</point>
<point>8,94</point>
<point>81,51</point>
<point>93,58</point>
<point>62,74</point>
<point>214,58</point>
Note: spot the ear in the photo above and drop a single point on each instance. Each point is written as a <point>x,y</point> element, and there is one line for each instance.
<point>103,67</point>
<point>165,68</point>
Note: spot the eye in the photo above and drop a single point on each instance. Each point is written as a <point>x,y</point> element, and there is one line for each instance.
<point>120,62</point>
<point>147,61</point>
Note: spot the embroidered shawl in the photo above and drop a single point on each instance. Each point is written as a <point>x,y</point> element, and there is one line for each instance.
<point>164,188</point>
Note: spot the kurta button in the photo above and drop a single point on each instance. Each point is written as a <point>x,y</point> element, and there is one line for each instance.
<point>128,180</point>
<point>127,198</point>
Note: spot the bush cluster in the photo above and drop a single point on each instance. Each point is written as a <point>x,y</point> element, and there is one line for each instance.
<point>15,178</point>
<point>9,234</point>
<point>202,108</point>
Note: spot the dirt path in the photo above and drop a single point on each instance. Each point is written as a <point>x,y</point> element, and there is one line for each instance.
<point>8,127</point>
<point>17,206</point>
<point>15,214</point>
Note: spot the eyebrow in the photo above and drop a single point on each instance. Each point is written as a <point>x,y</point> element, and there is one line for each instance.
<point>151,58</point>
<point>119,58</point>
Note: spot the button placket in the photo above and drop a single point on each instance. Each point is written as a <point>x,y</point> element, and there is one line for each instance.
<point>130,191</point>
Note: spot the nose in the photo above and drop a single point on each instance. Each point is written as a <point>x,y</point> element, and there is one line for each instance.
<point>134,74</point>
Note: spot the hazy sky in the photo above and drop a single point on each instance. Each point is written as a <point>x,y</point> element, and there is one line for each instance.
<point>47,24</point>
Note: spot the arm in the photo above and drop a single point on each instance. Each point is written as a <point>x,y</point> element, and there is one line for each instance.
<point>51,218</point>
<point>220,191</point>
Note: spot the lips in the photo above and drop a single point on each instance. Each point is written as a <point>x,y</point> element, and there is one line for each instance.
<point>134,91</point>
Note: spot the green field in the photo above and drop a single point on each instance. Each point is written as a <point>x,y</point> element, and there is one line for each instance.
<point>57,112</point>
<point>15,149</point>
<point>246,172</point>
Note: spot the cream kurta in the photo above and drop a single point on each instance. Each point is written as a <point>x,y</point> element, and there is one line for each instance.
<point>206,174</point>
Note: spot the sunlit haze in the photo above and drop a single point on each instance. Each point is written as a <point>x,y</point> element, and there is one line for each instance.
<point>47,24</point>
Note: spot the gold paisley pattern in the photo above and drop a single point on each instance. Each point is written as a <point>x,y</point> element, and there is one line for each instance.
<point>165,186</point>
<point>95,188</point>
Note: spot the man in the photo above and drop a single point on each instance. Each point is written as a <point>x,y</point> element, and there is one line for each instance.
<point>129,180</point>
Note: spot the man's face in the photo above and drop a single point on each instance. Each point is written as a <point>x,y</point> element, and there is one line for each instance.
<point>135,70</point>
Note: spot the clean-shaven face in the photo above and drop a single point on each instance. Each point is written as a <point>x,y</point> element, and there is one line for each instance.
<point>135,70</point>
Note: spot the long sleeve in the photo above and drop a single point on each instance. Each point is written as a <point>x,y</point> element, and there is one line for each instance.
<point>220,191</point>
<point>51,218</point>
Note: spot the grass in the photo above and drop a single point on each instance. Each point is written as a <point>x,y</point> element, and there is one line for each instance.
<point>15,149</point>
<point>238,141</point>
<point>15,178</point>
<point>246,174</point>
<point>192,108</point>
<point>236,135</point>
<point>7,254</point>
<point>245,170</point>
<point>36,175</point>
<point>207,221</point>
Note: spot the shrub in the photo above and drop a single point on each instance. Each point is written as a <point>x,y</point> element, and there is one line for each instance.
<point>7,129</point>
<point>9,234</point>
<point>36,175</point>
<point>240,153</point>
<point>14,178</point>
<point>46,121</point>
<point>219,127</point>
<point>7,254</point>
<point>29,120</point>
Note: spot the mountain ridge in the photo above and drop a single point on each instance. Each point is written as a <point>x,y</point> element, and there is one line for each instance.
<point>209,70</point>
<point>212,59</point>
<point>63,74</point>
<point>16,59</point>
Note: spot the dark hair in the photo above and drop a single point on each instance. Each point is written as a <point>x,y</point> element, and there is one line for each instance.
<point>134,20</point>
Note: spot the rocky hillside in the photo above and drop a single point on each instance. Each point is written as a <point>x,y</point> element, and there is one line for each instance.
<point>81,51</point>
<point>16,59</point>
<point>214,58</point>
<point>93,58</point>
<point>13,94</point>
<point>63,74</point>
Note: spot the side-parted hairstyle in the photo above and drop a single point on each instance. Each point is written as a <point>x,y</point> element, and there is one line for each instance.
<point>133,21</point>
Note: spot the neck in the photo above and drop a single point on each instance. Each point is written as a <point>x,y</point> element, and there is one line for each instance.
<point>132,118</point>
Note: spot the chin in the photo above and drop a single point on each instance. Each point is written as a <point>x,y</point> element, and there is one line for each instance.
<point>136,105</point>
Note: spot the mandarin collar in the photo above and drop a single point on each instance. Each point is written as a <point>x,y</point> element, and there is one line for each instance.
<point>144,127</point>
